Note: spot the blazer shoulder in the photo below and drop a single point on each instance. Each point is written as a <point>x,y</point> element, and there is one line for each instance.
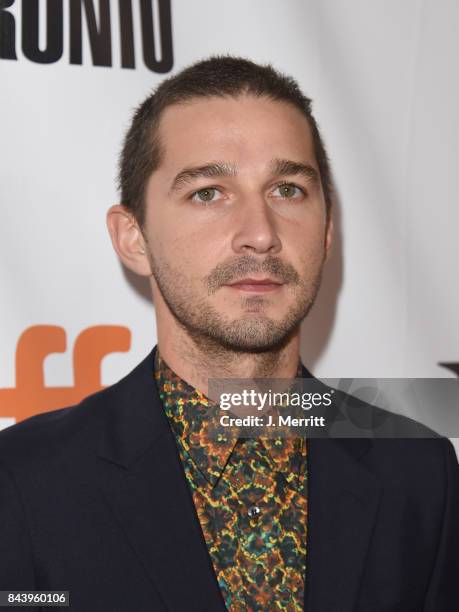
<point>396,444</point>
<point>75,426</point>
<point>56,432</point>
<point>362,419</point>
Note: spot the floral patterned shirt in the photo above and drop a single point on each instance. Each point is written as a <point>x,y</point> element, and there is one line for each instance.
<point>250,498</point>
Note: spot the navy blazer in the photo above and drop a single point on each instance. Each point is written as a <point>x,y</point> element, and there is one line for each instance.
<point>93,500</point>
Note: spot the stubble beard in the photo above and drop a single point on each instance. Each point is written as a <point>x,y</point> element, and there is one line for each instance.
<point>251,333</point>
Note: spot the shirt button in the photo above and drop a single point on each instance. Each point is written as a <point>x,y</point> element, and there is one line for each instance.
<point>254,512</point>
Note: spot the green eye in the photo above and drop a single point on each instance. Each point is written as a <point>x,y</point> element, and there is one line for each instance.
<point>205,195</point>
<point>287,190</point>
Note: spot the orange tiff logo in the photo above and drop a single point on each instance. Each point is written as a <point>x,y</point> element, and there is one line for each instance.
<point>30,395</point>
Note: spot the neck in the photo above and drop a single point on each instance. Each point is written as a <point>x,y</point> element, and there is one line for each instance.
<point>196,360</point>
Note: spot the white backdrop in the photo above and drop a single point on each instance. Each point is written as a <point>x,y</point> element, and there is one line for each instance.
<point>384,79</point>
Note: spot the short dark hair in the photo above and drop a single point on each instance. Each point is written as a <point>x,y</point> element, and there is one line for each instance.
<point>217,76</point>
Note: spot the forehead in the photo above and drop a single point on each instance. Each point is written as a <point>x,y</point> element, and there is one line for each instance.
<point>245,129</point>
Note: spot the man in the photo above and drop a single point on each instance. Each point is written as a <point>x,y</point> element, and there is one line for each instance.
<point>125,500</point>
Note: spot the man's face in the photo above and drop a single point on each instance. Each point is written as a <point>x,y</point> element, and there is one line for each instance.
<point>237,196</point>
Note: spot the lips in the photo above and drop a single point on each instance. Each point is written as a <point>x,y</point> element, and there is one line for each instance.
<point>260,285</point>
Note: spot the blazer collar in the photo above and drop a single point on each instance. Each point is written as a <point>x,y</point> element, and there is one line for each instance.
<point>135,419</point>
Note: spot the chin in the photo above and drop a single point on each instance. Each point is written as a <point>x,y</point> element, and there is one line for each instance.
<point>259,335</point>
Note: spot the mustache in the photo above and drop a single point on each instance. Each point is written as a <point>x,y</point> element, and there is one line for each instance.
<point>241,267</point>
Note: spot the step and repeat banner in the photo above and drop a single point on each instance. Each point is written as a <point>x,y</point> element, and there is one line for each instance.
<point>385,86</point>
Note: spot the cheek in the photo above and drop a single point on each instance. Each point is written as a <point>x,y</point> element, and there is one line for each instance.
<point>307,242</point>
<point>185,256</point>
<point>166,243</point>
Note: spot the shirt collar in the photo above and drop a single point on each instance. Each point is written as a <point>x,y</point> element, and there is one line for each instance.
<point>188,411</point>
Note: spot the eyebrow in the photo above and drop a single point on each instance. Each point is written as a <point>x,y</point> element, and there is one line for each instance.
<point>278,167</point>
<point>287,167</point>
<point>212,170</point>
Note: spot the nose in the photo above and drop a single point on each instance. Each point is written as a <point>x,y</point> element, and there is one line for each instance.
<point>255,230</point>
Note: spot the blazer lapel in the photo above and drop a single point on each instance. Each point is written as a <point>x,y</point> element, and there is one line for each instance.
<point>143,482</point>
<point>343,499</point>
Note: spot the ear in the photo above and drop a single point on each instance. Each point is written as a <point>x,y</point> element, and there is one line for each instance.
<point>328,236</point>
<point>127,239</point>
